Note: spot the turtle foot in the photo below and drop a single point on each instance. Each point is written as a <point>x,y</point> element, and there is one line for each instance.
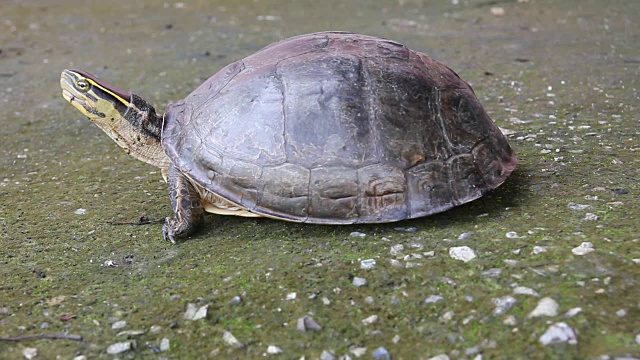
<point>174,228</point>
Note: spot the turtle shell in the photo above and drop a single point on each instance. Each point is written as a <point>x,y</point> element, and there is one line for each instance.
<point>338,128</point>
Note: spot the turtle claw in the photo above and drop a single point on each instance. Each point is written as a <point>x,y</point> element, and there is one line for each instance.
<point>168,231</point>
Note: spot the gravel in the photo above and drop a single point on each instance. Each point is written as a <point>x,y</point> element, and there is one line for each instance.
<point>358,281</point>
<point>432,299</point>
<point>559,332</point>
<point>546,307</point>
<point>307,323</point>
<point>327,355</point>
<point>370,320</point>
<point>229,339</point>
<point>584,248</point>
<point>463,253</point>
<point>273,350</point>
<point>194,312</point>
<point>503,304</point>
<point>121,347</point>
<point>381,353</point>
<point>368,264</point>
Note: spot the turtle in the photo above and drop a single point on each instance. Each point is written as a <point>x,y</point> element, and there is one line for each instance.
<point>325,128</point>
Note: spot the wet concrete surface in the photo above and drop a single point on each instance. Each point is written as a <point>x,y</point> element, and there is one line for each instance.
<point>562,75</point>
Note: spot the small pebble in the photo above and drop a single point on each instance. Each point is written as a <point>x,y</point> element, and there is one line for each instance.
<point>130,333</point>
<point>80,211</point>
<point>407,229</point>
<point>291,296</point>
<point>381,353</point>
<point>503,304</point>
<point>546,307</point>
<point>368,264</point>
<point>357,234</point>
<point>591,217</point>
<point>576,206</point>
<point>465,235</point>
<point>358,351</point>
<point>325,300</point>
<point>463,253</point>
<point>358,281</point>
<point>493,272</point>
<point>80,357</point>
<point>228,338</point>
<point>195,313</point>
<point>522,290</point>
<point>235,300</point>
<point>538,250</point>
<point>573,312</point>
<point>559,333</point>
<point>440,357</point>
<point>307,323</point>
<point>155,328</point>
<point>395,263</point>
<point>512,235</point>
<point>370,320</point>
<point>638,339</point>
<point>620,191</point>
<point>396,339</point>
<point>29,353</point>
<point>621,313</point>
<point>432,299</point>
<point>584,248</point>
<point>327,355</point>
<point>369,300</point>
<point>510,320</point>
<point>121,347</point>
<point>273,350</point>
<point>396,249</point>
<point>165,345</point>
<point>119,324</point>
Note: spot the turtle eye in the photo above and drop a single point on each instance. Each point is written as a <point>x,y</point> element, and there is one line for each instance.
<point>82,85</point>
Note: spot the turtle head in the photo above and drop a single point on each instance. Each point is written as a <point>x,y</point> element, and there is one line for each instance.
<point>129,120</point>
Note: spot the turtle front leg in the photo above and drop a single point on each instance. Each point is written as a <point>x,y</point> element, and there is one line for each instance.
<point>186,205</point>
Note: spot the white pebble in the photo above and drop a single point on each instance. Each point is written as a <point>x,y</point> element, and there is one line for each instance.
<point>29,353</point>
<point>370,320</point>
<point>357,234</point>
<point>559,333</point>
<point>465,235</point>
<point>273,350</point>
<point>228,338</point>
<point>503,304</point>
<point>538,250</point>
<point>510,320</point>
<point>463,253</point>
<point>576,206</point>
<point>523,290</point>
<point>546,307</point>
<point>358,351</point>
<point>395,263</point>
<point>440,357</point>
<point>638,339</point>
<point>80,211</point>
<point>325,300</point>
<point>368,264</point>
<point>118,324</point>
<point>291,296</point>
<point>591,217</point>
<point>358,281</point>
<point>195,313</point>
<point>121,347</point>
<point>165,345</point>
<point>396,249</point>
<point>512,235</point>
<point>621,313</point>
<point>431,299</point>
<point>573,312</point>
<point>584,248</point>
